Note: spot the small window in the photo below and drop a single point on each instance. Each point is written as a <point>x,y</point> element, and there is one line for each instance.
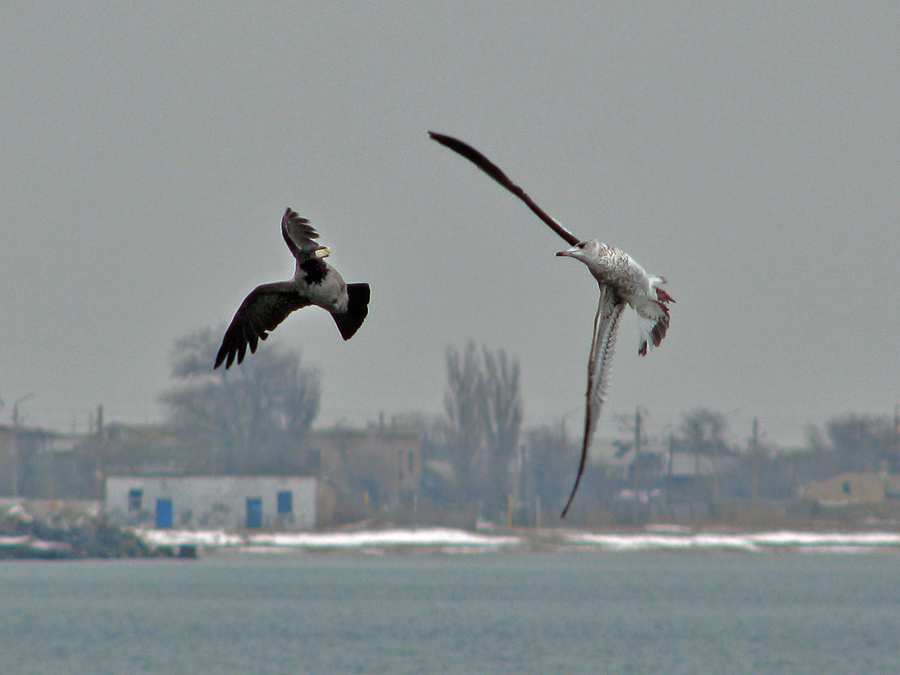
<point>845,487</point>
<point>135,499</point>
<point>285,502</point>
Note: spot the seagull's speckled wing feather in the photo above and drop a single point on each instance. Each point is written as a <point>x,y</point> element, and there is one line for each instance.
<point>606,325</point>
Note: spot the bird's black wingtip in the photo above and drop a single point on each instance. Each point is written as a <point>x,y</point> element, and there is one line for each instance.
<point>220,357</point>
<point>447,141</point>
<point>459,146</point>
<point>581,463</point>
<point>225,358</point>
<point>568,504</point>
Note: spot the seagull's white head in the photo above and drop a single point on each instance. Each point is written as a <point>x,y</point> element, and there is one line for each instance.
<point>585,251</point>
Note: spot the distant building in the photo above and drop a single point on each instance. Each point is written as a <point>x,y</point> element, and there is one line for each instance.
<point>147,449</point>
<point>220,502</point>
<point>40,464</point>
<point>848,488</point>
<point>381,464</point>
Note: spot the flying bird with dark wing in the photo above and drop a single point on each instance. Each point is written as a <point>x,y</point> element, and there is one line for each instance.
<point>622,282</point>
<point>315,282</point>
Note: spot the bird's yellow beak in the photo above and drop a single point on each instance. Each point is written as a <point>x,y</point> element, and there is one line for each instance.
<point>323,252</point>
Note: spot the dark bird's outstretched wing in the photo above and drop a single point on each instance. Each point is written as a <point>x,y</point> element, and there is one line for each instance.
<point>494,172</point>
<point>299,235</point>
<point>262,310</point>
<point>606,323</point>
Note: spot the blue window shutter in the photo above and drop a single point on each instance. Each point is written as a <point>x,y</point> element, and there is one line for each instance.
<point>285,502</point>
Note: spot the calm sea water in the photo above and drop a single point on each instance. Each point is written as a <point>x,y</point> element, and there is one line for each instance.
<point>465,614</point>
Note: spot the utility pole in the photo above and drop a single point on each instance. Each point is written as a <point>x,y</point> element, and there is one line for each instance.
<point>637,464</point>
<point>98,457</point>
<point>896,442</point>
<point>754,461</point>
<point>672,446</point>
<point>15,453</point>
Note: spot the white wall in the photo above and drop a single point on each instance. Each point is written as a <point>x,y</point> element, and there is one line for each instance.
<point>213,502</point>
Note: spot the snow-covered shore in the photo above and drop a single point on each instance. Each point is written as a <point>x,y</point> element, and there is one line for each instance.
<point>460,541</point>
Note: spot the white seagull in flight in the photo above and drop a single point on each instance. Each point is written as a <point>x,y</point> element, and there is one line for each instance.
<point>622,282</point>
<point>315,282</point>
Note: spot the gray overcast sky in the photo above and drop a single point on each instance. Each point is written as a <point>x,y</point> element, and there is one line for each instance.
<point>748,152</point>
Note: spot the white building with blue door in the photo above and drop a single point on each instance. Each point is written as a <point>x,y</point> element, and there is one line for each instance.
<point>219,502</point>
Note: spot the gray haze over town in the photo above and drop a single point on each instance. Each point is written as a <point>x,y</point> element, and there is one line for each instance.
<point>746,152</point>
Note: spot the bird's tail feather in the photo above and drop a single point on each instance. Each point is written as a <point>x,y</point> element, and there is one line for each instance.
<point>652,334</point>
<point>357,310</point>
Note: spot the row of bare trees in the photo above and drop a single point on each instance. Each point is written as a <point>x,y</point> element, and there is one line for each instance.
<point>847,443</point>
<point>254,418</point>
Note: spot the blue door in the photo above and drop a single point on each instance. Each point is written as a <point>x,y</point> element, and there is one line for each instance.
<point>254,512</point>
<point>163,513</point>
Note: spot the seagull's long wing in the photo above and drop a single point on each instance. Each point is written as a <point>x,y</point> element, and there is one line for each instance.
<point>606,323</point>
<point>262,310</point>
<point>494,172</point>
<point>298,234</point>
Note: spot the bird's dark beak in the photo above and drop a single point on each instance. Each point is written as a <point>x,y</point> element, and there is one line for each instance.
<point>566,254</point>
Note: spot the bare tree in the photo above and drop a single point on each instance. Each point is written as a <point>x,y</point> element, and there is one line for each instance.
<point>484,411</point>
<point>502,420</point>
<point>702,434</point>
<point>249,419</point>
<point>462,403</point>
<point>549,467</point>
<point>864,442</point>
